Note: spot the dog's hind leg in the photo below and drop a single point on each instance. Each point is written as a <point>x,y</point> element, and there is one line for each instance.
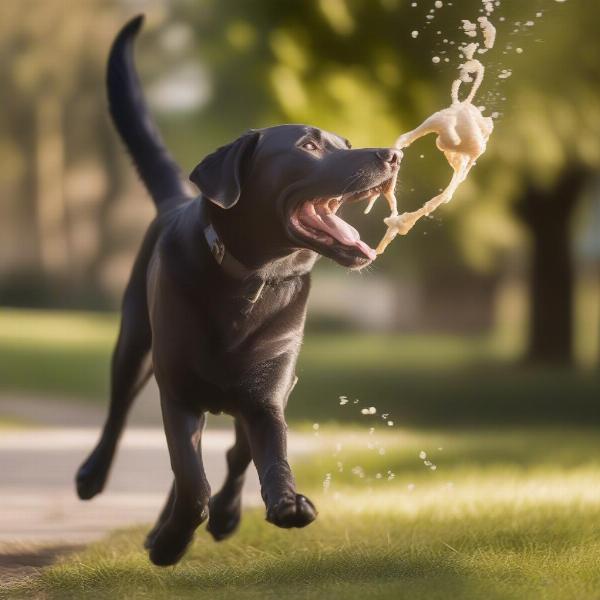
<point>131,369</point>
<point>164,515</point>
<point>189,506</point>
<point>235,461</point>
<point>225,507</point>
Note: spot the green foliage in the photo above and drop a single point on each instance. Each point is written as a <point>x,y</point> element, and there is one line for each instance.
<point>347,65</point>
<point>352,66</point>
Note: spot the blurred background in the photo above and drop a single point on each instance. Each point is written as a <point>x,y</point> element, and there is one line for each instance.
<point>487,312</point>
<point>475,339</point>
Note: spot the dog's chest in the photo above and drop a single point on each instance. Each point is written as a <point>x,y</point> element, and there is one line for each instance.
<point>272,326</point>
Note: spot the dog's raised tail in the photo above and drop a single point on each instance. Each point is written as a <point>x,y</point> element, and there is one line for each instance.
<point>131,117</point>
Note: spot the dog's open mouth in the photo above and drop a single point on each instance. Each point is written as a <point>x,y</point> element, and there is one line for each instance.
<point>316,222</point>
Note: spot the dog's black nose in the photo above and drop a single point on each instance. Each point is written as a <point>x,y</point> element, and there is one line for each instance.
<point>389,155</point>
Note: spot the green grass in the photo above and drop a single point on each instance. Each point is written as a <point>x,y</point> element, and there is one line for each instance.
<point>434,380</point>
<point>56,353</point>
<point>422,380</point>
<point>11,423</point>
<point>506,515</point>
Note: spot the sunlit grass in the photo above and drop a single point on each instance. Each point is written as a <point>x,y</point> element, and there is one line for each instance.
<point>399,351</point>
<point>11,423</point>
<point>519,520</point>
<point>57,330</point>
<point>56,353</point>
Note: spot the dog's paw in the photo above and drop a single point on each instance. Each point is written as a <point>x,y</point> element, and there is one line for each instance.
<point>167,545</point>
<point>167,548</point>
<point>151,537</point>
<point>292,511</point>
<point>90,479</point>
<point>224,517</point>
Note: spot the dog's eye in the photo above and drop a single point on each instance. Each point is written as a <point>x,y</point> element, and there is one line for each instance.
<point>310,146</point>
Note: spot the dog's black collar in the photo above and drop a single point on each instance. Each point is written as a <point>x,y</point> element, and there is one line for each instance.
<point>253,283</point>
<point>231,265</point>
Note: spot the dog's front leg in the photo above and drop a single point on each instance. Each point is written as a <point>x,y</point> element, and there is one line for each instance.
<point>191,491</point>
<point>266,428</point>
<point>267,432</point>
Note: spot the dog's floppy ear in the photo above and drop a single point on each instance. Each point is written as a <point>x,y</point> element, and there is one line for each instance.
<point>219,175</point>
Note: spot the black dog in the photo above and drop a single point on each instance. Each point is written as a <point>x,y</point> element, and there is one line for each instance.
<point>216,303</point>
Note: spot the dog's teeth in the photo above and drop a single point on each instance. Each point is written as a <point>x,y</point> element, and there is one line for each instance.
<point>309,208</point>
<point>334,204</point>
<point>372,201</point>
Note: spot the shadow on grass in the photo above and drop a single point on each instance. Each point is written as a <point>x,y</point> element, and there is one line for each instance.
<point>474,395</point>
<point>420,380</point>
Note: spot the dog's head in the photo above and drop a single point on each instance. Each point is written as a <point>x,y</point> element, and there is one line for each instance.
<point>282,187</point>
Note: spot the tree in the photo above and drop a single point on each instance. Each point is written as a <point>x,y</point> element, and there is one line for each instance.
<point>353,66</point>
<point>548,214</point>
<point>54,115</point>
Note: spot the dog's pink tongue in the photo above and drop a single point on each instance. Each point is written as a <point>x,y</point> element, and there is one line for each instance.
<point>366,249</point>
<point>337,228</point>
<point>346,234</point>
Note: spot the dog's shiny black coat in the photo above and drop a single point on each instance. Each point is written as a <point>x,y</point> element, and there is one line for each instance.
<point>183,316</point>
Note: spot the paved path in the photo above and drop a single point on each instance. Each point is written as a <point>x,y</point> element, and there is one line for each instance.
<point>37,496</point>
<point>34,408</point>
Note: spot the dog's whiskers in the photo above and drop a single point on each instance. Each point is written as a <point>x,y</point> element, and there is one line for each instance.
<point>353,179</point>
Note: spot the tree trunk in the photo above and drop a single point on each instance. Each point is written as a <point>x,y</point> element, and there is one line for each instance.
<point>547,214</point>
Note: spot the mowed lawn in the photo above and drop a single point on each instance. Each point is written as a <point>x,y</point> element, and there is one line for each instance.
<point>66,354</point>
<point>474,478</point>
<point>505,514</point>
<point>423,380</point>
